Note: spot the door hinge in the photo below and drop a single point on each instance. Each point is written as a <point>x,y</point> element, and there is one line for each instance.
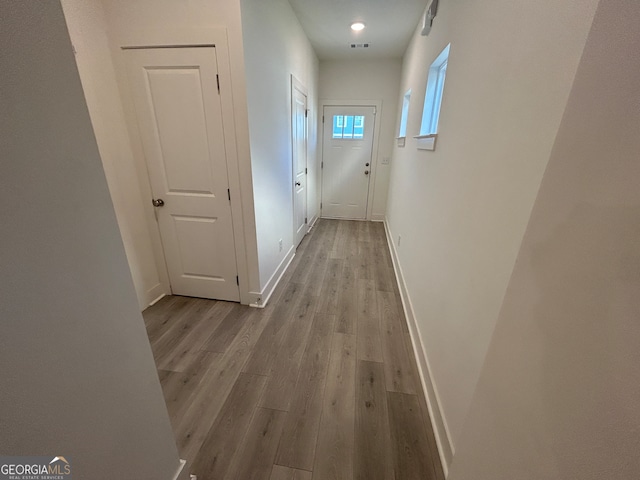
<point>321,164</point>
<point>305,171</point>
<point>218,82</point>
<point>229,194</point>
<point>306,113</point>
<point>322,118</point>
<point>305,220</point>
<point>320,205</point>
<point>237,280</point>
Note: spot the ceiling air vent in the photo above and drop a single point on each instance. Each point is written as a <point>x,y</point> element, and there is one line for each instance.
<point>359,45</point>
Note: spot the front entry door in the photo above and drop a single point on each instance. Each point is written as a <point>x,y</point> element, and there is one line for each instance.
<point>179,116</point>
<point>346,155</point>
<point>299,136</point>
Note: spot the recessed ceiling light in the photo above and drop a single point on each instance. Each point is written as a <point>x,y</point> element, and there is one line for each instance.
<point>357,26</point>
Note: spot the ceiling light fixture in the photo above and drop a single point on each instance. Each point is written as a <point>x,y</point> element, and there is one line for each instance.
<point>357,26</point>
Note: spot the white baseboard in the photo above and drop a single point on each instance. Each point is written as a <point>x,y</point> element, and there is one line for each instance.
<point>153,302</point>
<point>312,223</point>
<point>263,297</point>
<point>153,295</point>
<point>440,428</point>
<point>377,218</point>
<point>181,473</point>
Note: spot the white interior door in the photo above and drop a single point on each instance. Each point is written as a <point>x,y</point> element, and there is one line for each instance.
<point>299,135</point>
<point>346,158</point>
<point>179,114</point>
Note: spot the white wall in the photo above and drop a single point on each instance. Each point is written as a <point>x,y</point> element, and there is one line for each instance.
<point>462,209</point>
<point>559,396</point>
<point>78,376</point>
<point>275,46</point>
<point>368,80</point>
<point>88,30</point>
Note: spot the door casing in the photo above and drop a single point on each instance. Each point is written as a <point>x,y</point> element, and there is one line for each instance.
<point>296,85</point>
<point>242,225</point>
<point>376,136</point>
<point>189,170</point>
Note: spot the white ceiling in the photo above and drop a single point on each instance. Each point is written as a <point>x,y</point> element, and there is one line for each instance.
<point>389,26</point>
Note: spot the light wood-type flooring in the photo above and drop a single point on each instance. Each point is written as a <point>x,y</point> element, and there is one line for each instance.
<point>321,384</point>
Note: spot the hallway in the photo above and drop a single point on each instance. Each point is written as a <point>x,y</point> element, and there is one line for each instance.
<point>322,383</point>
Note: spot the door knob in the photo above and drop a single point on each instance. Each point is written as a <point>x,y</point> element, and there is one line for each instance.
<point>366,172</point>
<point>157,203</point>
<point>298,184</point>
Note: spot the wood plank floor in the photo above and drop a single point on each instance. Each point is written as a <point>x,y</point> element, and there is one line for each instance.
<point>321,384</point>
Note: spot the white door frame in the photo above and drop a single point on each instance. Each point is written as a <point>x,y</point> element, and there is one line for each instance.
<point>376,139</point>
<point>190,37</point>
<point>298,85</point>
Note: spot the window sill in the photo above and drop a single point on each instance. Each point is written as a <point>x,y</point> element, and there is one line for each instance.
<point>426,142</point>
<point>401,141</point>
